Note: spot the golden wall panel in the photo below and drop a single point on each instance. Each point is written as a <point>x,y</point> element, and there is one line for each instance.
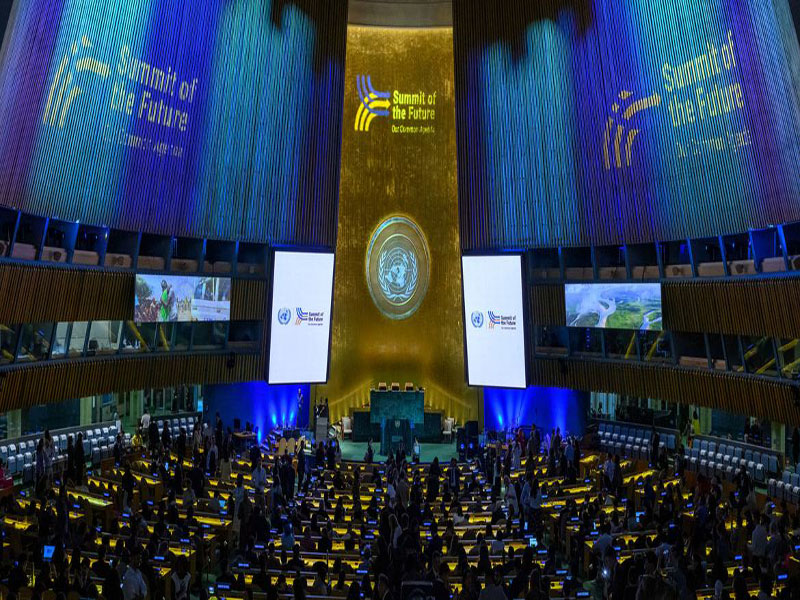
<point>385,174</point>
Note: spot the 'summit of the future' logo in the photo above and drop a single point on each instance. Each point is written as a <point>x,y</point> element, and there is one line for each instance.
<point>59,103</point>
<point>615,147</point>
<point>372,103</point>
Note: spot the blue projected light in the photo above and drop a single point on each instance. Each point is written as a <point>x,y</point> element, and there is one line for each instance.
<point>193,118</point>
<point>547,408</point>
<point>650,120</point>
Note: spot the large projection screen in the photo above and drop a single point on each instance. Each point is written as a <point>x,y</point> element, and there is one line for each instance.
<point>635,306</point>
<point>300,323</point>
<point>493,319</point>
<point>181,299</point>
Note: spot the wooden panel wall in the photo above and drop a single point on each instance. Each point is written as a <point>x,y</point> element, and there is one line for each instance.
<point>248,300</point>
<point>742,394</point>
<point>46,293</point>
<point>42,293</point>
<point>52,382</point>
<point>547,304</point>
<point>735,306</point>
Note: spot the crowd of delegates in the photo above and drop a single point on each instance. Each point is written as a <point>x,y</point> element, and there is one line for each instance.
<point>289,500</point>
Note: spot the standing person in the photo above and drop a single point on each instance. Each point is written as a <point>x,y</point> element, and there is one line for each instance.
<point>225,466</point>
<point>168,309</point>
<point>433,481</point>
<point>796,446</point>
<point>299,404</point>
<point>49,458</point>
<point>655,446</point>
<point>80,460</point>
<point>218,427</point>
<point>301,465</point>
<point>145,420</point>
<point>70,459</point>
<point>454,478</point>
<point>40,472</point>
<point>134,586</point>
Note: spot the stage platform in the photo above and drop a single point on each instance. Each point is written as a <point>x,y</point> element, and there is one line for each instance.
<point>354,451</point>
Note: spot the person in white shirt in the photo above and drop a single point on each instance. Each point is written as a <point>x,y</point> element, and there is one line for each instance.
<point>259,480</point>
<point>181,579</point>
<point>134,586</point>
<point>494,588</point>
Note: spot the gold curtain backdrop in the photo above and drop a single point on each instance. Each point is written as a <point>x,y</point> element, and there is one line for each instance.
<point>387,172</point>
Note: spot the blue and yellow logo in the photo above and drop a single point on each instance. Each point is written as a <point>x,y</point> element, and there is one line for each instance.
<point>301,316</point>
<point>63,93</point>
<point>372,103</point>
<point>615,147</point>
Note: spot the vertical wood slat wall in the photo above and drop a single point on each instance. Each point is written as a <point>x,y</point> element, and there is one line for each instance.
<point>53,382</point>
<point>742,394</point>
<point>43,294</point>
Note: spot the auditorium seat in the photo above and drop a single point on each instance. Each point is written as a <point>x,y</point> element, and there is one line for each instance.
<point>347,427</point>
<point>151,263</point>
<point>119,261</point>
<point>695,362</point>
<point>579,273</point>
<point>774,264</point>
<point>711,269</point>
<point>24,251</point>
<point>54,254</point>
<point>612,273</point>
<point>678,271</point>
<point>85,257</point>
<point>742,267</point>
<point>249,268</point>
<point>646,272</point>
<point>183,265</point>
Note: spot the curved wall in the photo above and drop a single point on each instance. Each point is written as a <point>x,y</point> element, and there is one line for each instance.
<point>206,119</point>
<point>602,122</point>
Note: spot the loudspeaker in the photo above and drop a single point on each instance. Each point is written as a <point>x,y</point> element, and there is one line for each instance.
<point>461,443</point>
<point>472,428</point>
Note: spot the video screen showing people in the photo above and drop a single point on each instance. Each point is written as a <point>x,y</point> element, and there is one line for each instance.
<point>181,299</point>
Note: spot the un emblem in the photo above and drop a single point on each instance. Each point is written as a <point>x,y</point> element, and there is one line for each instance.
<point>477,319</point>
<point>398,267</point>
<point>284,316</point>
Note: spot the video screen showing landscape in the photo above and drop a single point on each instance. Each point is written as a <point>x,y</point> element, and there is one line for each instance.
<point>614,306</point>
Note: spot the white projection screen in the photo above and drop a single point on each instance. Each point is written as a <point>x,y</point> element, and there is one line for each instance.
<point>300,323</point>
<point>493,320</point>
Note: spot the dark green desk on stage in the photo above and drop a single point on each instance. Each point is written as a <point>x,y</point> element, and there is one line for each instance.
<point>385,405</point>
<point>399,405</point>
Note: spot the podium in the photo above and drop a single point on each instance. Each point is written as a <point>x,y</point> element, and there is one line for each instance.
<point>394,433</point>
<point>321,429</point>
